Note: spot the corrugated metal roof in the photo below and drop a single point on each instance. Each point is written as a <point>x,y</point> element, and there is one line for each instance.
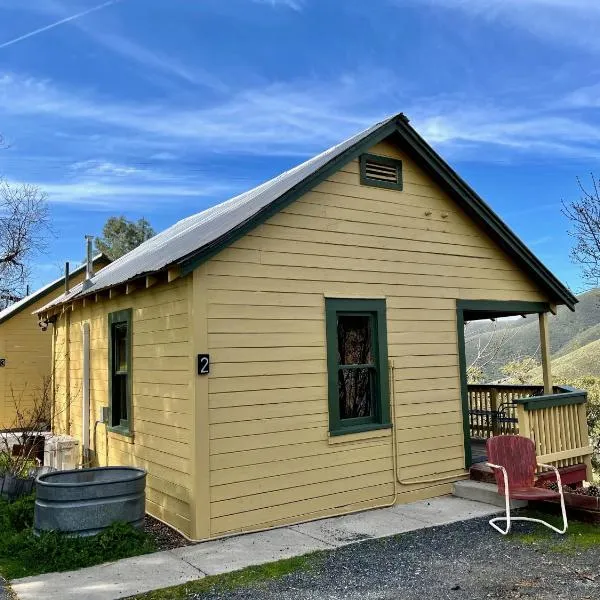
<point>201,229</point>
<point>17,307</point>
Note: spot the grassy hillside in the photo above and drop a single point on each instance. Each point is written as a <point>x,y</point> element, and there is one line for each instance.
<point>582,362</point>
<point>569,331</point>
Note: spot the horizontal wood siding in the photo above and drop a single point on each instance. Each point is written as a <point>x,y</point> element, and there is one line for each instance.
<point>271,459</point>
<point>161,440</point>
<point>28,353</point>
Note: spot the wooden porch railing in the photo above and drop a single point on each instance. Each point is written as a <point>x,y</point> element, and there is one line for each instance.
<point>493,408</point>
<point>557,424</point>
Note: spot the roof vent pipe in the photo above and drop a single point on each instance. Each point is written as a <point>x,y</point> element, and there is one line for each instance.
<point>67,277</point>
<point>89,266</point>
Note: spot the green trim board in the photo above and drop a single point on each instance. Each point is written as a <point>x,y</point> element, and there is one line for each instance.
<point>114,319</point>
<point>561,399</point>
<point>484,308</point>
<point>411,141</point>
<point>365,158</point>
<point>464,389</point>
<point>376,311</point>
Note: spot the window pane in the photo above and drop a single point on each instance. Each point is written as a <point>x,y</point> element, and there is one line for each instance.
<point>356,392</point>
<point>119,399</point>
<point>120,347</point>
<point>354,340</point>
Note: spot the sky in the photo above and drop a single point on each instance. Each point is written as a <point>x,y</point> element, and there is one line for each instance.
<point>162,108</point>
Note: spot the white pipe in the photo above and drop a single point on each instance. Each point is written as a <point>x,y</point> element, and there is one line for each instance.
<point>85,413</point>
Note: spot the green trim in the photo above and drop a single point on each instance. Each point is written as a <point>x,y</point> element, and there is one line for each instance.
<point>377,310</point>
<point>442,172</point>
<point>517,307</point>
<point>121,316</point>
<point>381,160</point>
<point>360,428</point>
<point>562,399</point>
<point>464,389</point>
<point>37,295</point>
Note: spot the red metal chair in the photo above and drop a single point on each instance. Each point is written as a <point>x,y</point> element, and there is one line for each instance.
<point>512,457</point>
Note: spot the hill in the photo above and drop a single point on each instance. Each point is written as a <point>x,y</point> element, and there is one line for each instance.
<point>569,331</point>
<point>582,362</point>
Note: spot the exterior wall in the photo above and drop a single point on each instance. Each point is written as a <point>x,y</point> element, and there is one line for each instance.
<point>162,407</point>
<point>28,353</point>
<point>271,458</point>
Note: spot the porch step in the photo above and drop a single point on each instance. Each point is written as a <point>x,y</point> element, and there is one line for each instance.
<point>483,492</point>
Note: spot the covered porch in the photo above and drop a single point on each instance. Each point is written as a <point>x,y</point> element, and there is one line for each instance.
<point>553,416</point>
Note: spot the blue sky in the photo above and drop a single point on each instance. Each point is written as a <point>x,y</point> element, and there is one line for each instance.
<point>161,108</point>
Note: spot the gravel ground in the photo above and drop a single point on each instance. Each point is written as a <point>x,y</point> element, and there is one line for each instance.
<point>5,594</point>
<point>165,537</point>
<point>461,561</point>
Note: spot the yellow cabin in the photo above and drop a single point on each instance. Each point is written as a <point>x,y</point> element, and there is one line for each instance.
<point>25,351</point>
<point>297,351</point>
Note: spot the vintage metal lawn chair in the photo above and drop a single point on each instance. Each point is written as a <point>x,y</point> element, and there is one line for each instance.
<point>512,457</point>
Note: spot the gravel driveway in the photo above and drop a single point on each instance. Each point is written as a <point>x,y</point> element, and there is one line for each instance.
<point>465,560</point>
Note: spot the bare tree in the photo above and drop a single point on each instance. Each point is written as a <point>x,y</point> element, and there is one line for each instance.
<point>584,215</point>
<point>24,224</point>
<point>487,350</point>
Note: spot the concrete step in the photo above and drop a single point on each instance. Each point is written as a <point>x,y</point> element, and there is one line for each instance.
<point>483,492</point>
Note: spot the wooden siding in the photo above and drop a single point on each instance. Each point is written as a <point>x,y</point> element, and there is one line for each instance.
<point>271,459</point>
<point>162,407</point>
<point>28,353</point>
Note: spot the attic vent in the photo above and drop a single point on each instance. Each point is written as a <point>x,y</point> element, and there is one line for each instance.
<point>381,171</point>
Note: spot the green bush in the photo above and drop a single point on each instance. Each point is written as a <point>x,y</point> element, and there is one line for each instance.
<point>22,553</point>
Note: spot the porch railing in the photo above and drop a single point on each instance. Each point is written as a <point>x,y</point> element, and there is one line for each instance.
<point>493,408</point>
<point>555,422</point>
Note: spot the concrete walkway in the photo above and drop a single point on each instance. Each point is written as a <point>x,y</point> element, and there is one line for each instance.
<point>164,569</point>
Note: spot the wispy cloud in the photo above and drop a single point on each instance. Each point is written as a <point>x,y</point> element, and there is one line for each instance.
<point>58,23</point>
<point>296,5</point>
<point>569,22</point>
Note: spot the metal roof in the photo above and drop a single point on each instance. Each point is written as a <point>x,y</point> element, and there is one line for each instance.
<point>23,303</point>
<point>197,237</point>
<point>200,229</point>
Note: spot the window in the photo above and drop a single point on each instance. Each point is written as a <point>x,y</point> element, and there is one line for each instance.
<point>381,171</point>
<point>119,370</point>
<point>357,365</point>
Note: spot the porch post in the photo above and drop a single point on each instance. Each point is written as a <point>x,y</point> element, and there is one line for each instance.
<point>545,350</point>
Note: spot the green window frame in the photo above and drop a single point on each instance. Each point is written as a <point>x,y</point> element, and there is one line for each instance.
<point>120,371</point>
<point>375,311</point>
<point>366,177</point>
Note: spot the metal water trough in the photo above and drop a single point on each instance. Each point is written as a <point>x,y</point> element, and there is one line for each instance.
<point>85,501</point>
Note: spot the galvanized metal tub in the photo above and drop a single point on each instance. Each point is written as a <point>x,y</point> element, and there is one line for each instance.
<point>86,501</point>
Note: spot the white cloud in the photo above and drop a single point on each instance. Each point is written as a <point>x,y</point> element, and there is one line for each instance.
<point>296,5</point>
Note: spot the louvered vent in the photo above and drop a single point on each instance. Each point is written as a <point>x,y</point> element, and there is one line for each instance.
<point>375,170</point>
<point>381,171</point>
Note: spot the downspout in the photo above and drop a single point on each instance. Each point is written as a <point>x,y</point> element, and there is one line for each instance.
<point>67,358</point>
<point>85,412</point>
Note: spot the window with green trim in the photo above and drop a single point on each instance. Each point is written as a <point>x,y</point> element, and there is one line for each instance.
<point>119,370</point>
<point>381,171</point>
<point>357,365</point>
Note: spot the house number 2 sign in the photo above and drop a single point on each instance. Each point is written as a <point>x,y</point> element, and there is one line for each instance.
<point>203,364</point>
